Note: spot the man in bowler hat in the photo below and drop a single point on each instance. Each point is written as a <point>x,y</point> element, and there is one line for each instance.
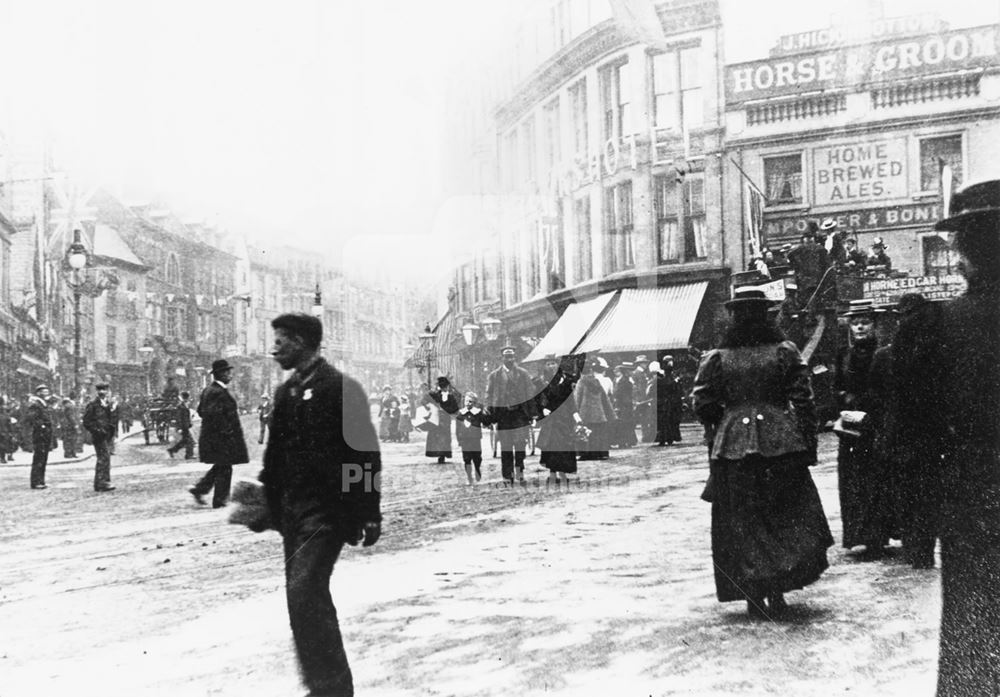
<point>99,420</point>
<point>946,360</point>
<point>220,442</point>
<point>321,479</point>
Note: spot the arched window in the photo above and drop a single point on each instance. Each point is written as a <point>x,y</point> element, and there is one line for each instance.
<point>173,270</point>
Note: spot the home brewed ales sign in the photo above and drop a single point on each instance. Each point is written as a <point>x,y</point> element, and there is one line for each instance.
<point>858,172</point>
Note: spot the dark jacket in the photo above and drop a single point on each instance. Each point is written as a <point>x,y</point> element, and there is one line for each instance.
<point>757,399</point>
<point>100,420</point>
<point>946,362</point>
<point>39,422</point>
<point>469,429</point>
<point>810,262</point>
<point>320,424</point>
<point>510,397</point>
<point>221,439</point>
<point>183,417</point>
<point>592,401</point>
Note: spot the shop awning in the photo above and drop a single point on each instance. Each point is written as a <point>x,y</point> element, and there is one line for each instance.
<point>570,328</point>
<point>647,319</point>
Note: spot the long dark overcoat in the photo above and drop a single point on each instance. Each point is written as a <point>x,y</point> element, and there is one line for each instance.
<point>319,430</point>
<point>769,532</point>
<point>556,435</point>
<point>864,478</point>
<point>947,368</point>
<point>221,439</point>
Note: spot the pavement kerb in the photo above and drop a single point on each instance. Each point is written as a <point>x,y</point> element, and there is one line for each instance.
<point>66,461</point>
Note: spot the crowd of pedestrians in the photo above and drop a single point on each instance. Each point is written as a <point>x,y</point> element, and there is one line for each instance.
<point>574,409</point>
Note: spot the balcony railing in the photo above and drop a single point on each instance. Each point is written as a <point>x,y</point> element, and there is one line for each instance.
<point>951,87</point>
<point>805,108</point>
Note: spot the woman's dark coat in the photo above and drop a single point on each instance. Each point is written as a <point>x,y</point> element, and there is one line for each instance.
<point>769,533</point>
<point>867,503</point>
<point>439,437</point>
<point>556,435</point>
<point>221,439</point>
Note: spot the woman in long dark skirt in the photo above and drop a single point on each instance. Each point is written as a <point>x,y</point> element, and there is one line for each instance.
<point>446,400</point>
<point>769,532</point>
<point>557,434</point>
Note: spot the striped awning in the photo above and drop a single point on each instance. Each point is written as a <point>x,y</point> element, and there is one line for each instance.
<point>647,319</point>
<point>570,328</point>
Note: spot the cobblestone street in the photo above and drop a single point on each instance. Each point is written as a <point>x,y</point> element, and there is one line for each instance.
<point>472,591</point>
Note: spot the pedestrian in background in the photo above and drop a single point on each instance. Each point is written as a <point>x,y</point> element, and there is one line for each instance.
<point>645,410</point>
<point>913,453</point>
<point>557,436</point>
<point>469,422</point>
<point>405,423</point>
<point>386,419</point>
<point>669,401</point>
<point>264,410</point>
<point>625,406</point>
<point>183,420</point>
<point>510,406</point>
<point>220,442</point>
<point>445,399</point>
<point>39,425</point>
<point>71,427</point>
<point>8,432</point>
<point>321,477</point>
<point>99,420</point>
<point>596,412</point>
<point>769,532</point>
<point>946,359</point>
<point>863,478</point>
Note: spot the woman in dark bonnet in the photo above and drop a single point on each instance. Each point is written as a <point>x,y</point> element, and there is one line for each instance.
<point>769,532</point>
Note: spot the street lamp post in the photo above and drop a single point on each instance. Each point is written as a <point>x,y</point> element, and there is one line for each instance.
<point>427,343</point>
<point>76,259</point>
<point>409,349</point>
<point>77,264</point>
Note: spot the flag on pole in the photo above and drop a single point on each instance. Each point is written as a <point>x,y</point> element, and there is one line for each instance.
<point>753,217</point>
<point>638,19</point>
<point>947,181</point>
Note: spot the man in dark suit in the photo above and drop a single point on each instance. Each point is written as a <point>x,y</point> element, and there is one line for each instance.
<point>39,429</point>
<point>321,477</point>
<point>184,428</point>
<point>220,442</point>
<point>946,359</point>
<point>510,404</point>
<point>99,420</point>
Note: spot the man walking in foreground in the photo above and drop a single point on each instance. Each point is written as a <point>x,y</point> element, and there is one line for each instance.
<point>99,419</point>
<point>321,477</point>
<point>220,442</point>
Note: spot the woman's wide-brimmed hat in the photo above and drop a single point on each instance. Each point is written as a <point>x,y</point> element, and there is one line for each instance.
<point>862,308</point>
<point>747,297</point>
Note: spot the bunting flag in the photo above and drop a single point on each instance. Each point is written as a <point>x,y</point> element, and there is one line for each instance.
<point>639,20</point>
<point>170,297</point>
<point>199,298</point>
<point>947,182</point>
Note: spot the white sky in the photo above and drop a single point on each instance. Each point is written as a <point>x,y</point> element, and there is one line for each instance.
<point>303,120</point>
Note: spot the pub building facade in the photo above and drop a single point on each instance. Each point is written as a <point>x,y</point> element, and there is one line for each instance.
<point>604,230</point>
<point>856,126</point>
